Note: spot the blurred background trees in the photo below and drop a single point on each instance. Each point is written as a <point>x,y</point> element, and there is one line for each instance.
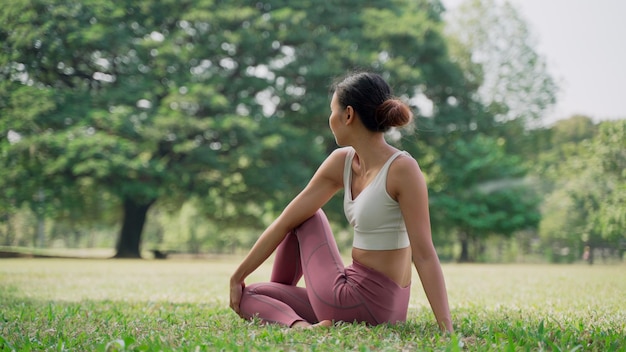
<point>189,125</point>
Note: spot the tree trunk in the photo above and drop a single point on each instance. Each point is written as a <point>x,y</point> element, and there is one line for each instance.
<point>41,220</point>
<point>464,257</point>
<point>591,258</point>
<point>132,228</point>
<point>9,237</point>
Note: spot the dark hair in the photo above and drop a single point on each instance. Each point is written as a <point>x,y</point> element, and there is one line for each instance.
<point>371,97</point>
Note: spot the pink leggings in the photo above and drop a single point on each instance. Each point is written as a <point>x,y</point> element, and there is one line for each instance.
<point>333,292</point>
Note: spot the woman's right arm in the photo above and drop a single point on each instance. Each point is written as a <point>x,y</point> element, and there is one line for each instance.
<point>328,179</point>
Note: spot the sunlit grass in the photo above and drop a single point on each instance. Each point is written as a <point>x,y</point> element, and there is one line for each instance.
<point>66,304</point>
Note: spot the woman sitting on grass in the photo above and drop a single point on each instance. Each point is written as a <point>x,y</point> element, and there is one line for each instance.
<point>385,200</point>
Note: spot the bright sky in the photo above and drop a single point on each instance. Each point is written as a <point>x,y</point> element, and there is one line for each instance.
<point>584,44</point>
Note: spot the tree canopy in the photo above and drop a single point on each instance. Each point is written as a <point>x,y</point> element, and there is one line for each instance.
<point>225,101</point>
<point>219,109</point>
<point>585,205</point>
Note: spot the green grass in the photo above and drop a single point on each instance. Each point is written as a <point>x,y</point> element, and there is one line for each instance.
<point>117,305</point>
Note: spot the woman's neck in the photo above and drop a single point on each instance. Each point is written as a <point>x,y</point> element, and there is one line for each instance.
<point>372,151</point>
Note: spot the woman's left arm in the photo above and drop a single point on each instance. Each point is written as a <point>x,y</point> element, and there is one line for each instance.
<point>408,186</point>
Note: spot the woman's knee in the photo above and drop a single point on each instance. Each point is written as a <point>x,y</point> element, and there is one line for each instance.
<point>316,222</point>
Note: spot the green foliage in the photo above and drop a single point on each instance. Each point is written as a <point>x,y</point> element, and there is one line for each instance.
<point>480,191</point>
<point>585,205</point>
<point>479,187</point>
<point>216,111</point>
<point>221,101</point>
<point>494,45</point>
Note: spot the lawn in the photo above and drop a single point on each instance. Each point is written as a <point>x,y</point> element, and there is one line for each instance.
<point>151,305</point>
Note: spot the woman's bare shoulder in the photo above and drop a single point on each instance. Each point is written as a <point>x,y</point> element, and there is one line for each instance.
<point>332,167</point>
<point>404,174</point>
<point>337,157</point>
<point>341,152</point>
<point>406,165</point>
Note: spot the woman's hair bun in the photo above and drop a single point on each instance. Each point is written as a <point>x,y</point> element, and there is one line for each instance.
<point>392,113</point>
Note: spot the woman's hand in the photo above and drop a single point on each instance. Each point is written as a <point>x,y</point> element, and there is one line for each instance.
<point>236,291</point>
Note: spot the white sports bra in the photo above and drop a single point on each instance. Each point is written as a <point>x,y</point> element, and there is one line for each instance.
<point>375,216</point>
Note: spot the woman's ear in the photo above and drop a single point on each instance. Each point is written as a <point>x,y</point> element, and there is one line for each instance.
<point>349,114</point>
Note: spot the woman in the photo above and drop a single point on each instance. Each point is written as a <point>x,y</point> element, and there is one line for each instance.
<point>386,202</point>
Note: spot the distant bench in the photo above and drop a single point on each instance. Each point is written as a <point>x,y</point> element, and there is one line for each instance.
<point>162,253</point>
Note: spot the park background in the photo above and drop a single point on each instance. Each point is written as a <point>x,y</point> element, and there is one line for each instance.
<point>185,127</point>
<point>180,129</point>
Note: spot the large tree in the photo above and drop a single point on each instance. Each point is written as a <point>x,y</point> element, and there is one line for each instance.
<point>508,90</point>
<point>496,47</point>
<point>117,94</point>
<point>221,100</point>
<point>481,191</point>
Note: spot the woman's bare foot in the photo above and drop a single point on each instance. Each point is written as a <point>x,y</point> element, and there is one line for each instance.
<point>324,324</point>
<point>306,325</point>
